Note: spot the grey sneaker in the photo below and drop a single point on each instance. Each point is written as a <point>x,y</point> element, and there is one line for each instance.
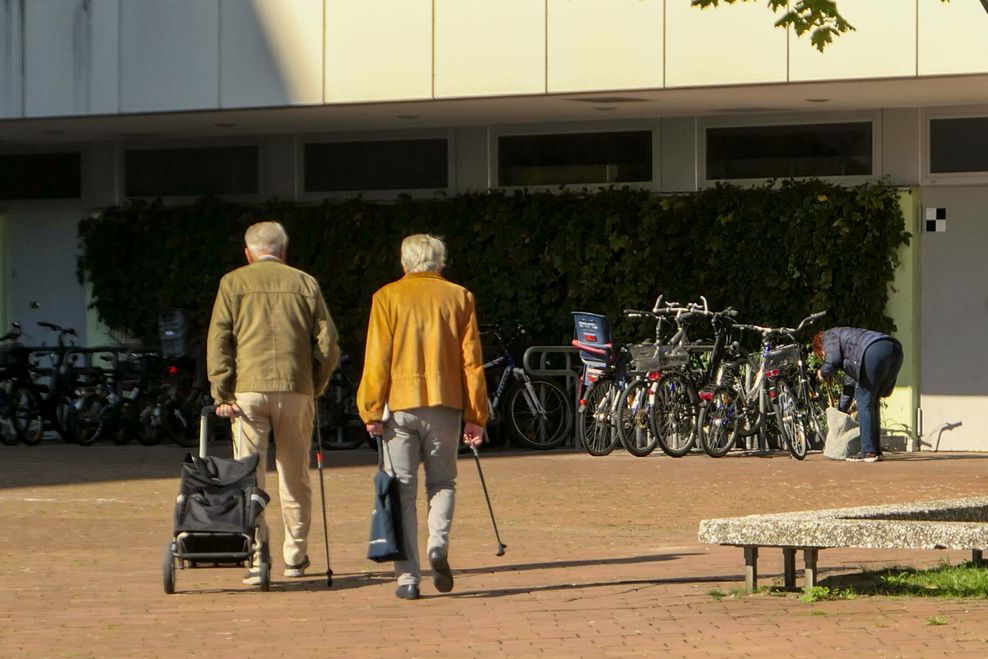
<point>865,457</point>
<point>296,571</point>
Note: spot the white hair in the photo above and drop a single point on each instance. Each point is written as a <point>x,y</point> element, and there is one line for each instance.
<point>423,253</point>
<point>266,238</point>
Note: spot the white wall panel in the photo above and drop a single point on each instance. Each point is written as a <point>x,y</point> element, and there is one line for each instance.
<point>169,55</point>
<point>953,37</point>
<point>731,44</point>
<point>604,45</point>
<point>378,50</point>
<point>11,39</point>
<point>70,57</point>
<point>270,52</point>
<point>485,48</point>
<point>883,44</point>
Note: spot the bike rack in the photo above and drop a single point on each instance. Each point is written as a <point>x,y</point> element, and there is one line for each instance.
<point>536,362</point>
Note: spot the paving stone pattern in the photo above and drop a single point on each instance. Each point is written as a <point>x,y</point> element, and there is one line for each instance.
<point>602,561</point>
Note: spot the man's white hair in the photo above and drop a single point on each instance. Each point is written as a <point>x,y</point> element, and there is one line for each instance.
<point>423,253</point>
<point>266,238</point>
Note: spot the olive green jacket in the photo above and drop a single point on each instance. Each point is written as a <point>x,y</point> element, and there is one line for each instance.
<point>270,331</point>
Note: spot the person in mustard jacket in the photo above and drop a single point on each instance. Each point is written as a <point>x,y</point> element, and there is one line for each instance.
<point>272,347</point>
<point>423,375</point>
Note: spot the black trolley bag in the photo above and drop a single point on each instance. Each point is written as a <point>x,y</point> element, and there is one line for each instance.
<point>216,513</point>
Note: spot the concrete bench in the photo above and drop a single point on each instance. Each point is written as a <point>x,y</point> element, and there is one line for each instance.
<point>947,524</point>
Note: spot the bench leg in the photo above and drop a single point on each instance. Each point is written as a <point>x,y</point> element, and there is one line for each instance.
<point>809,559</point>
<point>976,557</point>
<point>789,567</point>
<point>750,568</point>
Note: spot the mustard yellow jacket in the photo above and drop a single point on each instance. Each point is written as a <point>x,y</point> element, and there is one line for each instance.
<point>423,350</point>
<point>270,331</point>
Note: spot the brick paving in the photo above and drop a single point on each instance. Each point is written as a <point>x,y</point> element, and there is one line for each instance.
<point>602,561</point>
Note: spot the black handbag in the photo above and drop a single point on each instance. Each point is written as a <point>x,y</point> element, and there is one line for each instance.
<point>386,540</point>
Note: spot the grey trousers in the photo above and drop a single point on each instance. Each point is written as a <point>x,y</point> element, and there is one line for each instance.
<point>430,436</point>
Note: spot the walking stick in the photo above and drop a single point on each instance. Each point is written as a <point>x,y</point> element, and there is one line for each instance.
<point>500,545</point>
<point>322,496</point>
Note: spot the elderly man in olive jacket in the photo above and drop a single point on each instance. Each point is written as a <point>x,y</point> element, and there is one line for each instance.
<point>271,348</point>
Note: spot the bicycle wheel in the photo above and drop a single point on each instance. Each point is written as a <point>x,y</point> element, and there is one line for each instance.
<point>718,422</point>
<point>594,420</point>
<point>339,427</point>
<point>85,419</point>
<point>8,431</point>
<point>151,424</point>
<point>674,415</point>
<point>633,418</point>
<point>28,422</point>
<point>814,410</point>
<point>792,430</point>
<point>532,427</point>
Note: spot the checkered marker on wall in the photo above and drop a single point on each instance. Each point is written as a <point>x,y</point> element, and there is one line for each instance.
<point>936,219</point>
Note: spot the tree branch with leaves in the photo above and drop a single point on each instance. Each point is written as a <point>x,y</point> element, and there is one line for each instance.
<point>820,18</point>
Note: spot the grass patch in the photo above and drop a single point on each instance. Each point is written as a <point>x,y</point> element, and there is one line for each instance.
<point>936,620</point>
<point>966,580</point>
<point>716,594</point>
<point>823,593</point>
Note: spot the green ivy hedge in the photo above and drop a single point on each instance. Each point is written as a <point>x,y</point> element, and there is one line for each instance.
<point>776,253</point>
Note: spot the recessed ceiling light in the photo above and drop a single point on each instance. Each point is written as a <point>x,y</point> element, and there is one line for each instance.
<point>817,100</point>
<point>406,116</point>
<point>608,99</point>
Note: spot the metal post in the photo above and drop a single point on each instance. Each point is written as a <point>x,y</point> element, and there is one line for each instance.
<point>789,567</point>
<point>809,559</point>
<point>750,568</point>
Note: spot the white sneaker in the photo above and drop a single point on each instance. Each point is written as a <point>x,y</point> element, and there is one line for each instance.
<point>296,571</point>
<point>253,577</point>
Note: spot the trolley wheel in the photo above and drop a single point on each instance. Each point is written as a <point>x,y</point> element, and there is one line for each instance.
<point>168,569</point>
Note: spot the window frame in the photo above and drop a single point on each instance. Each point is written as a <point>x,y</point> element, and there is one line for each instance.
<point>179,200</point>
<point>926,152</point>
<point>304,139</point>
<point>787,119</point>
<point>574,128</point>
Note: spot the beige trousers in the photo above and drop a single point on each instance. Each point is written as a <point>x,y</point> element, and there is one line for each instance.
<point>289,416</point>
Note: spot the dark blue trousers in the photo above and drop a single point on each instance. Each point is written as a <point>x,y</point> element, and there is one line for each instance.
<point>879,368</point>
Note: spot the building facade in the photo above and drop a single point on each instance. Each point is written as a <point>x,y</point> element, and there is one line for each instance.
<point>102,101</point>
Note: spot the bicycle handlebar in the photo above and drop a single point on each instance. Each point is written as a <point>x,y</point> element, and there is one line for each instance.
<point>781,331</point>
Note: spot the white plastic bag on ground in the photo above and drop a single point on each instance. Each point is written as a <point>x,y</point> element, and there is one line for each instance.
<point>843,435</point>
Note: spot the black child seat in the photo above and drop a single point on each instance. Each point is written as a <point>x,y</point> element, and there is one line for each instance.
<point>216,515</point>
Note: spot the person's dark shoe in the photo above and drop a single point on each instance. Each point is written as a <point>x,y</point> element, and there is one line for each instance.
<point>409,592</point>
<point>296,571</point>
<point>864,457</point>
<point>442,577</point>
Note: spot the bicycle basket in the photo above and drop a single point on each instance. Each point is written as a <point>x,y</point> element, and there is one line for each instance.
<point>650,357</point>
<point>787,355</point>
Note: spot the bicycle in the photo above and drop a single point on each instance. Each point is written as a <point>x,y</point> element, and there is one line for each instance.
<point>537,412</point>
<point>13,363</point>
<point>742,407</point>
<point>663,406</point>
<point>604,377</point>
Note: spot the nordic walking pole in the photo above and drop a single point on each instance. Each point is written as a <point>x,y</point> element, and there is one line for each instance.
<point>500,545</point>
<point>322,496</point>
